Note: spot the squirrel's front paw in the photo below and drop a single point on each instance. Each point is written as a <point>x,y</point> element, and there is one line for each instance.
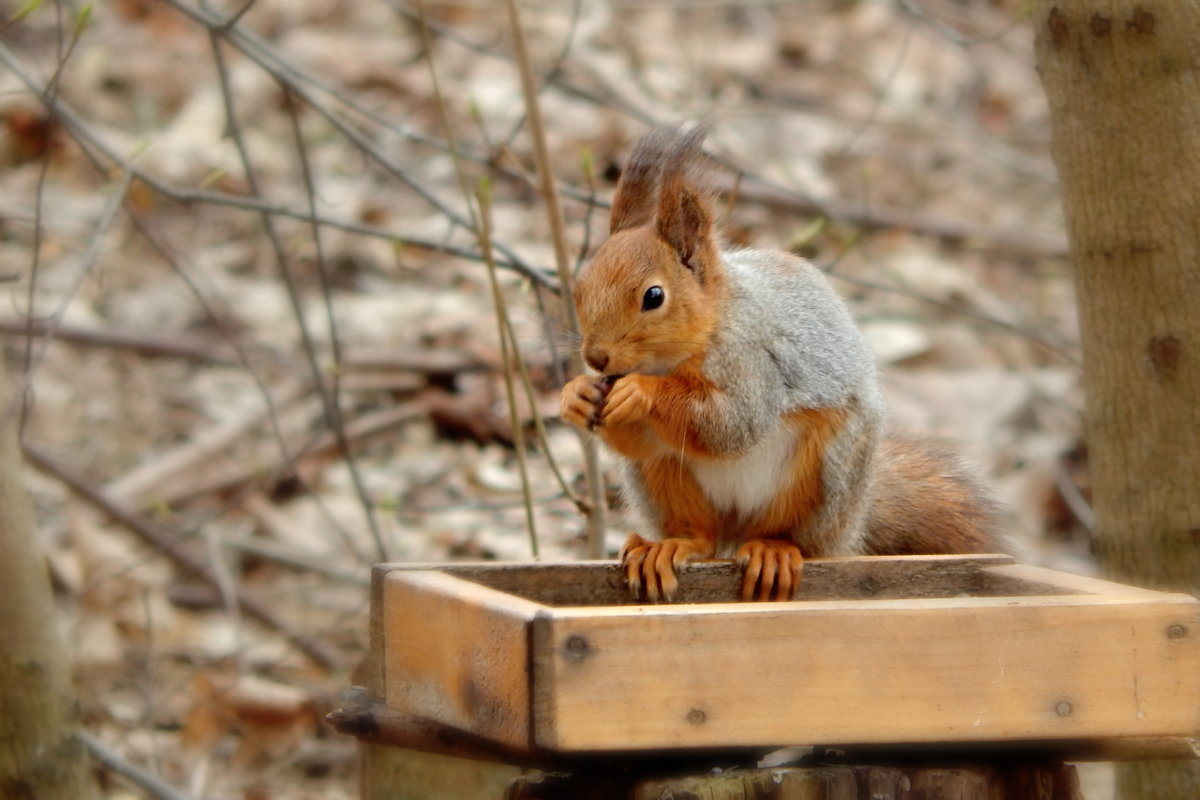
<point>649,567</point>
<point>629,401</point>
<point>582,399</point>
<point>772,569</point>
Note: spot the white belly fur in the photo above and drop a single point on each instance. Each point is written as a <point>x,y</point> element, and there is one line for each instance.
<point>745,484</point>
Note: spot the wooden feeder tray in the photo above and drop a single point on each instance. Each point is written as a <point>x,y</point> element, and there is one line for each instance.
<point>557,658</point>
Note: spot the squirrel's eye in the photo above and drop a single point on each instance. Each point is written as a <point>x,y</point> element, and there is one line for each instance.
<point>653,298</point>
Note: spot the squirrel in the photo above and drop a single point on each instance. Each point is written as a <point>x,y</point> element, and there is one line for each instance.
<point>744,400</point>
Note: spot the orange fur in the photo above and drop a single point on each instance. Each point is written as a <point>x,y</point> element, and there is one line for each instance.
<point>617,339</point>
<point>685,511</point>
<point>804,493</point>
<point>689,525</point>
<point>671,403</point>
<point>925,503</point>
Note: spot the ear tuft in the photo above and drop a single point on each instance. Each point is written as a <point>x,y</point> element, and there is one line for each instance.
<point>662,150</point>
<point>684,215</point>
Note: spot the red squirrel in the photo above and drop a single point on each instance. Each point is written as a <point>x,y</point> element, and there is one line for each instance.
<point>744,400</point>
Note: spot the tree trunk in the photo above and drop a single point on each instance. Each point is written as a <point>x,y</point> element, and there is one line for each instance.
<point>40,755</point>
<point>1123,81</point>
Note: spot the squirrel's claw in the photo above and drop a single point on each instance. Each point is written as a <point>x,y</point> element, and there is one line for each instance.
<point>650,567</point>
<point>772,569</point>
<point>581,401</point>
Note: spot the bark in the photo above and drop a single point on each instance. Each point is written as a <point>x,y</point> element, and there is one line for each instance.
<point>40,755</point>
<point>1123,81</point>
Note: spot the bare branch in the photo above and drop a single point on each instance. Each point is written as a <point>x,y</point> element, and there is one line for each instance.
<point>333,406</point>
<point>138,486</point>
<point>274,66</point>
<point>328,397</point>
<point>93,143</point>
<point>107,217</point>
<point>153,785</point>
<point>562,259</point>
<point>151,345</point>
<point>287,457</point>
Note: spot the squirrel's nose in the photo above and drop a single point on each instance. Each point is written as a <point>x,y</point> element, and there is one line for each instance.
<point>596,358</point>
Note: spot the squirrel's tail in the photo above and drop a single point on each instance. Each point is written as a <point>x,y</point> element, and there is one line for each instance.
<point>926,502</point>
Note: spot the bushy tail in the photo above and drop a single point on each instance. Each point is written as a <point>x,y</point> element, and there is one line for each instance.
<point>926,502</point>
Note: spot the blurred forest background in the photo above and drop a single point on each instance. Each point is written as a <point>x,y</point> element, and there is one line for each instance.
<point>247,311</point>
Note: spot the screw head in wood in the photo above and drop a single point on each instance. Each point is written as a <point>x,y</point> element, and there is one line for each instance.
<point>697,716</point>
<point>1176,632</point>
<point>576,647</point>
<point>1063,709</point>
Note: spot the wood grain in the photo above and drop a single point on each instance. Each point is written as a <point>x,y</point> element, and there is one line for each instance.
<point>458,653</point>
<point>969,669</point>
<point>601,583</point>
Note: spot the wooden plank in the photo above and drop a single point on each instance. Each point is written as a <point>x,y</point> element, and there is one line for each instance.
<point>1026,579</point>
<point>958,669</point>
<point>369,673</point>
<point>458,653</point>
<point>372,722</point>
<point>390,773</point>
<point>601,583</point>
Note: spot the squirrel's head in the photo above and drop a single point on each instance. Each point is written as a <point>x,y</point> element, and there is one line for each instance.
<point>650,297</point>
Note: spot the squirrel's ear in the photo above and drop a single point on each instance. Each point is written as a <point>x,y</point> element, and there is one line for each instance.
<point>633,203</point>
<point>684,221</point>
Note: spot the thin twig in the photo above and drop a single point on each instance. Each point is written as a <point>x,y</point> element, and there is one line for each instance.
<point>275,525</point>
<point>874,217</point>
<point>444,116</point>
<point>93,147</point>
<point>171,544</point>
<point>508,334</point>
<point>237,15</point>
<point>430,362</point>
<point>881,97</point>
<point>539,426</point>
<point>556,66</point>
<point>334,408</point>
<point>1080,508</point>
<point>231,336</point>
<point>275,66</point>
<point>914,8</point>
<point>589,174</point>
<point>308,344</point>
<point>1058,349</point>
<point>369,427</point>
<point>485,238</point>
<point>761,190</point>
<point>50,95</point>
<point>137,487</point>
<point>107,217</point>
<point>90,141</point>
<point>158,344</point>
<point>558,231</point>
<point>147,781</point>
